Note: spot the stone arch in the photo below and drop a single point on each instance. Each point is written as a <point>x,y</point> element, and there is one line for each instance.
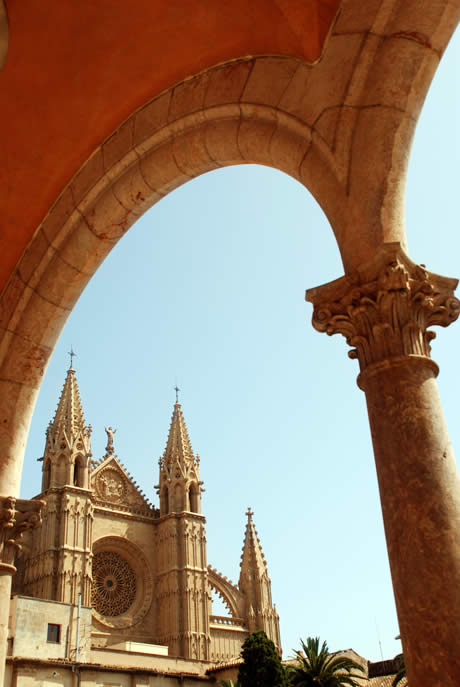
<point>146,158</point>
<point>78,471</point>
<point>226,591</point>
<point>366,125</point>
<point>271,110</point>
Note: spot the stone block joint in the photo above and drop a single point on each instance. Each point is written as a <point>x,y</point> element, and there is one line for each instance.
<point>385,309</point>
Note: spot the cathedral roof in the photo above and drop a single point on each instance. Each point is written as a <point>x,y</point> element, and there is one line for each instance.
<point>69,413</point>
<point>252,559</point>
<point>178,447</point>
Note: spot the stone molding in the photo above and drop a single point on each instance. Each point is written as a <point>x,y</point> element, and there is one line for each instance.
<point>123,512</point>
<point>16,516</point>
<point>385,309</point>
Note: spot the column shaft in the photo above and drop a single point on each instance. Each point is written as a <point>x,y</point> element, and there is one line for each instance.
<point>5,593</point>
<point>420,498</point>
<point>385,311</point>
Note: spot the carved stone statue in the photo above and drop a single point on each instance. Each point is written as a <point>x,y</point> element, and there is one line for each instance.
<point>109,448</point>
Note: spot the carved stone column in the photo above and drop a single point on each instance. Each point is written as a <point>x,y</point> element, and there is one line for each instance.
<point>16,516</point>
<point>384,310</point>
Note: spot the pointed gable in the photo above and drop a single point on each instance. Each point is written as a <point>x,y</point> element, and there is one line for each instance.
<point>114,487</point>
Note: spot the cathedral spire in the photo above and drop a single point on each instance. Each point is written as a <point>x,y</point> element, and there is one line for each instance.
<point>69,416</point>
<point>68,443</point>
<point>180,485</point>
<point>255,585</point>
<point>178,447</point>
<point>253,563</point>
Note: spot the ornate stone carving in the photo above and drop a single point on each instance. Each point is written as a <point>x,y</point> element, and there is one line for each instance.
<point>143,587</point>
<point>385,309</point>
<point>110,485</point>
<point>16,516</point>
<point>114,584</point>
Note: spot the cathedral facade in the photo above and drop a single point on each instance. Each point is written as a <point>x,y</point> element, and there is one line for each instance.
<point>141,570</point>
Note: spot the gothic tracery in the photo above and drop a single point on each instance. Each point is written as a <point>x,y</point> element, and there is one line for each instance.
<point>114,584</point>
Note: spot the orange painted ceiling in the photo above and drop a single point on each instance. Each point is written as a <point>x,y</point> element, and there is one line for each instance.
<point>76,70</point>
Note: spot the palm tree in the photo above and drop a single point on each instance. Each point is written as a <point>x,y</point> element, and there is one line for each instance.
<point>316,667</point>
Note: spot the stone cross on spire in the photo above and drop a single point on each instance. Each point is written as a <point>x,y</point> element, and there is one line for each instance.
<point>72,355</point>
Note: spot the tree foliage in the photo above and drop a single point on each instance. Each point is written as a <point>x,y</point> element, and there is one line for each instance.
<point>316,667</point>
<point>261,665</point>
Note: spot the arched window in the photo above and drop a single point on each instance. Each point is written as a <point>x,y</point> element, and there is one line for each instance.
<point>78,472</point>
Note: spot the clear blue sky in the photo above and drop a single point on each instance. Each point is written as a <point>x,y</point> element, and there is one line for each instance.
<point>207,289</point>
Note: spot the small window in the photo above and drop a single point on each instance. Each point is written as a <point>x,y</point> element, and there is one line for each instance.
<point>54,633</point>
<point>76,473</point>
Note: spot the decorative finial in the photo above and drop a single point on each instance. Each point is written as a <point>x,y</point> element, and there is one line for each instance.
<point>72,355</point>
<point>250,513</point>
<point>176,389</point>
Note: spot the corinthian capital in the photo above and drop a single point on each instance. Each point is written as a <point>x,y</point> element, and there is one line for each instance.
<point>16,516</point>
<point>385,309</point>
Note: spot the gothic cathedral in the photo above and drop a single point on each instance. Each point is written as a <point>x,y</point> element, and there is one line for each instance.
<point>142,571</point>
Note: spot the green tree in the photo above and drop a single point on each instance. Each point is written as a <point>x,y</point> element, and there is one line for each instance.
<point>316,667</point>
<point>261,665</point>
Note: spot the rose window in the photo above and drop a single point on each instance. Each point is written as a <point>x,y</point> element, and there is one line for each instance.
<point>114,584</point>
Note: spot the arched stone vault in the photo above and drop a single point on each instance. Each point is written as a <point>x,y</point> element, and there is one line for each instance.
<point>342,125</point>
<point>329,125</point>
